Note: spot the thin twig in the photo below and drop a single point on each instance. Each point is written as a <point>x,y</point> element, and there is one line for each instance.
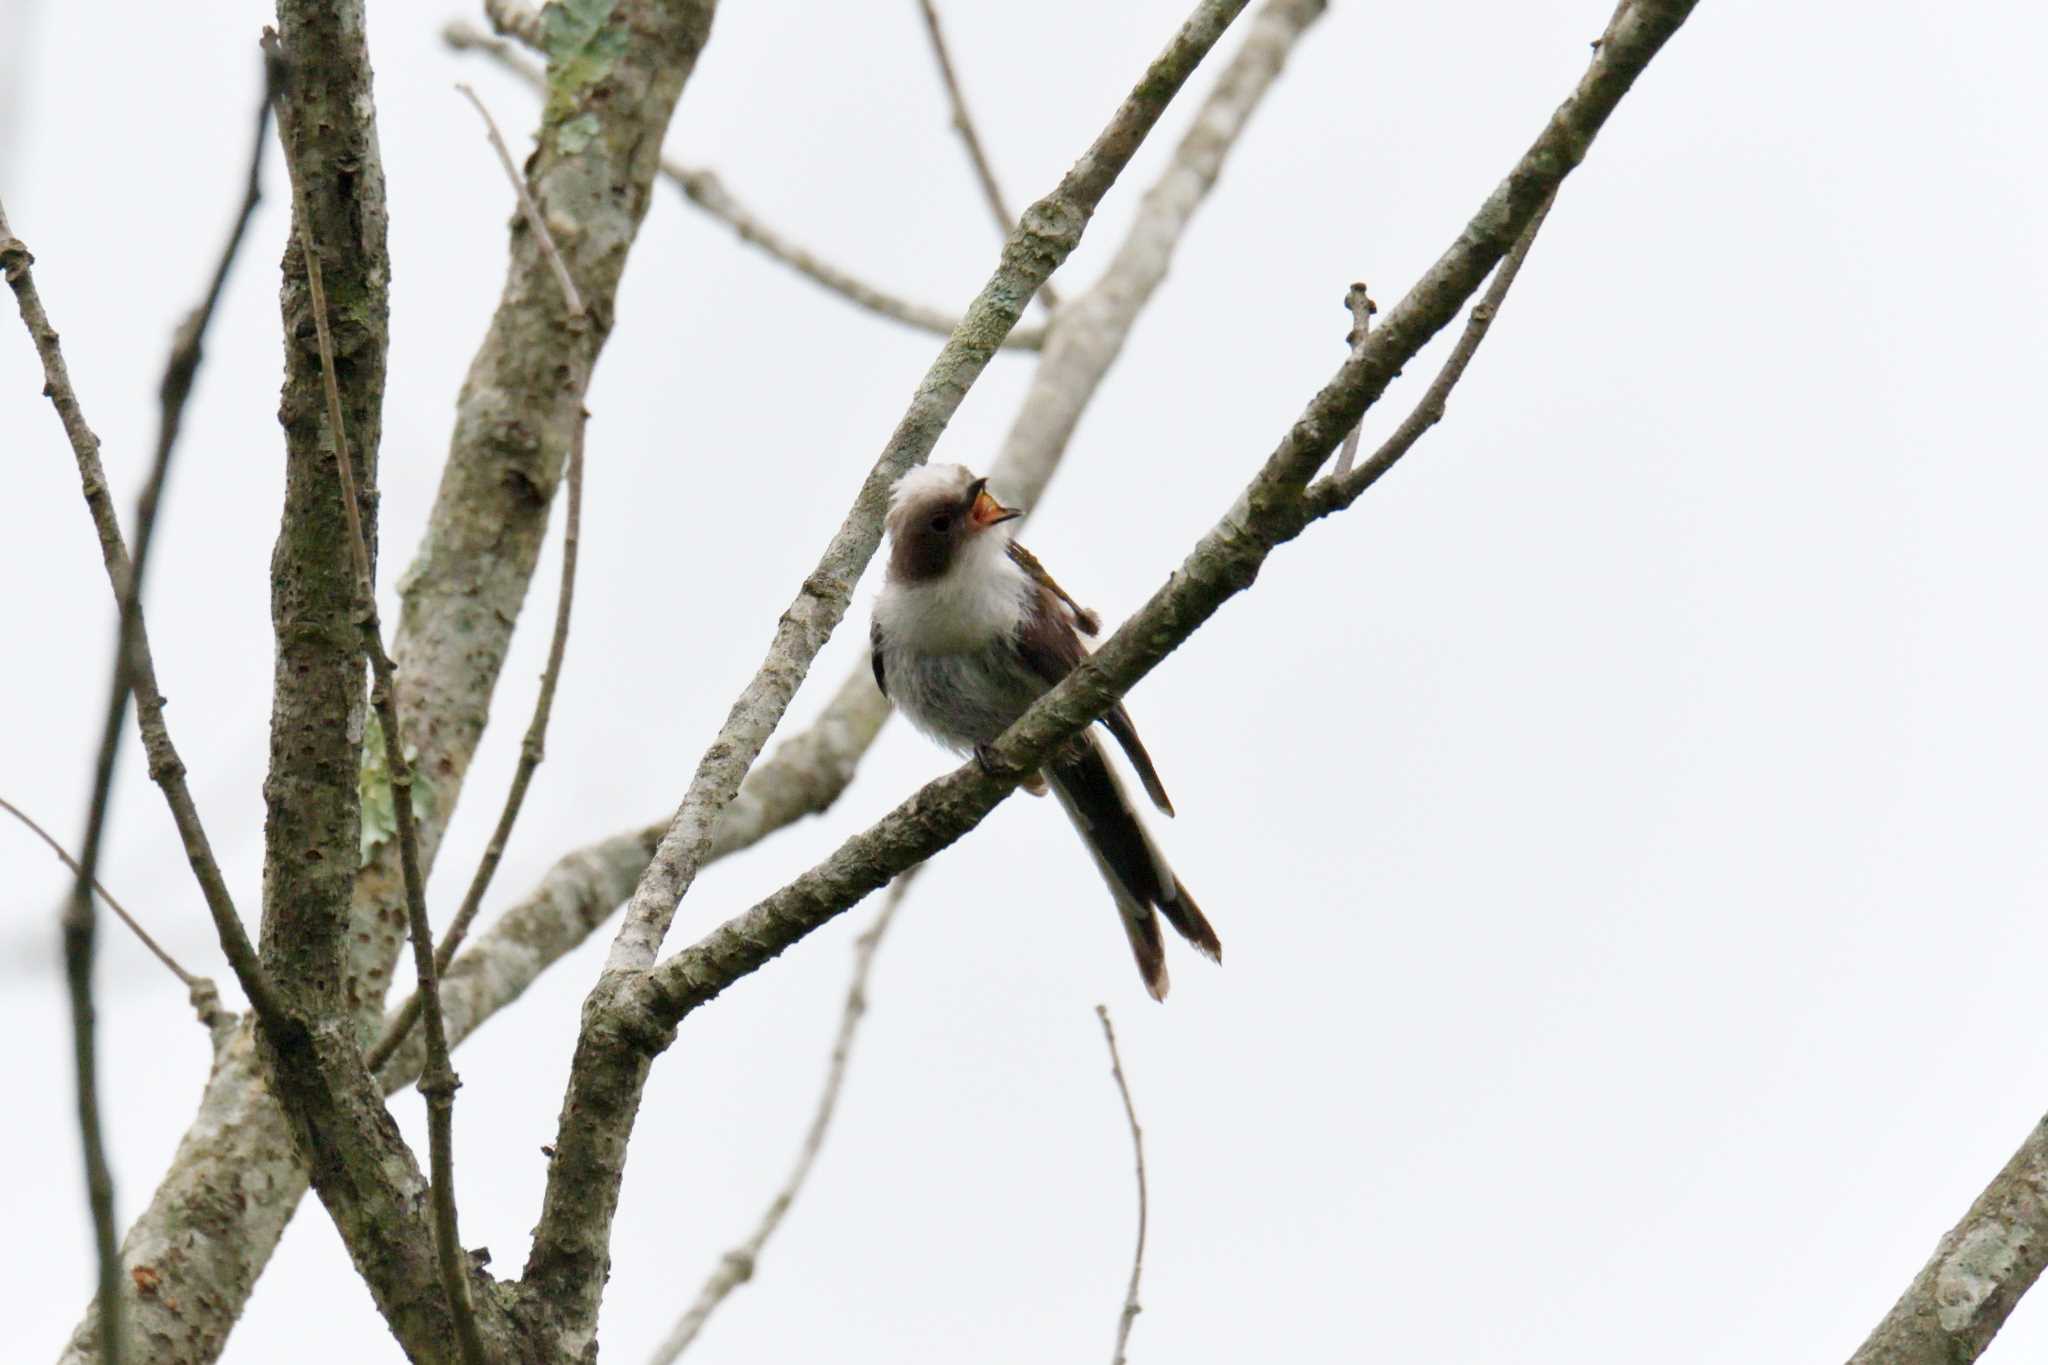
<point>134,671</point>
<point>963,124</point>
<point>736,1267</point>
<point>99,1176</point>
<point>1340,489</point>
<point>526,205</point>
<point>439,1082</point>
<point>1346,483</point>
<point>704,189</point>
<point>534,747</point>
<point>1359,301</point>
<point>1131,1309</point>
<point>119,910</point>
<point>80,930</point>
<point>199,990</point>
<point>166,769</point>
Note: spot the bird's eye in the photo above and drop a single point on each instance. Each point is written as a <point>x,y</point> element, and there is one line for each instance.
<point>942,523</point>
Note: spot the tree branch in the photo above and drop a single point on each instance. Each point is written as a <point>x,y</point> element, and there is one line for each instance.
<point>78,918</point>
<point>807,772</point>
<point>1343,486</point>
<point>1271,511</point>
<point>963,124</point>
<point>737,1266</point>
<point>1358,302</point>
<point>567,1265</point>
<point>235,1173</point>
<point>439,1082</point>
<point>534,748</point>
<point>166,769</point>
<point>1131,1307</point>
<point>1980,1269</point>
<point>208,1013</point>
<point>704,189</point>
<point>611,94</point>
<point>1094,327</point>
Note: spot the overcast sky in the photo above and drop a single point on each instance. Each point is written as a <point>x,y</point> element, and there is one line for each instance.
<point>1625,825</point>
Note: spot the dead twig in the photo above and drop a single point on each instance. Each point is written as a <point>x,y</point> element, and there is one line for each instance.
<point>963,124</point>
<point>1361,306</point>
<point>189,981</point>
<point>1131,1308</point>
<point>1342,487</point>
<point>534,747</point>
<point>736,1267</point>
<point>134,671</point>
<point>527,206</point>
<point>707,192</point>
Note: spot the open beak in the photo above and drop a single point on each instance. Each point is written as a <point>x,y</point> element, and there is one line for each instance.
<point>984,511</point>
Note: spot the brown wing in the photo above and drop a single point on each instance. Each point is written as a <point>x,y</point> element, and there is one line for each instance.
<point>875,655</point>
<point>1051,649</point>
<point>1088,622</point>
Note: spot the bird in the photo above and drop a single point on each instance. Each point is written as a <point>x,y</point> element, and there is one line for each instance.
<point>968,630</point>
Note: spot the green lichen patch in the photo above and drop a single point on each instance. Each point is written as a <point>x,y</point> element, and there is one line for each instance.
<point>373,786</point>
<point>582,43</point>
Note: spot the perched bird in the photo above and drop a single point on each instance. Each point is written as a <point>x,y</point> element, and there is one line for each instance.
<point>969,630</point>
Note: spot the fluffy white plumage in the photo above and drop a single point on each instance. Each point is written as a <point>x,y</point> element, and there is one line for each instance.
<point>930,481</point>
<point>982,595</point>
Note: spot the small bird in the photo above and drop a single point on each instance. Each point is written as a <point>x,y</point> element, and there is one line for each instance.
<point>968,631</point>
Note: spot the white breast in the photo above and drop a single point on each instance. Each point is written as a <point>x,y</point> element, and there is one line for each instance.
<point>982,596</point>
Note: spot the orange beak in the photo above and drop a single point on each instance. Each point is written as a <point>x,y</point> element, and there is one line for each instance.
<point>985,511</point>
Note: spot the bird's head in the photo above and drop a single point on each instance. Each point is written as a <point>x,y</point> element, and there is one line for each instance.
<point>937,512</point>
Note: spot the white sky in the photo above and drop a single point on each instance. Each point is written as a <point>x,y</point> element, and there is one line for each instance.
<point>1625,824</point>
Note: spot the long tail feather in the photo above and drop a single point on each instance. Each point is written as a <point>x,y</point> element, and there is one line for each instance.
<point>1138,876</point>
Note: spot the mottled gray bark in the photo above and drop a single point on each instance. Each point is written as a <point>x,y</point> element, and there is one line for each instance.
<point>360,1166</point>
<point>1979,1270</point>
<point>603,127</point>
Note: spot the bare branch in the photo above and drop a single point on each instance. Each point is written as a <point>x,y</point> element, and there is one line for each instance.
<point>156,949</point>
<point>165,767</point>
<point>1978,1273</point>
<point>737,1266</point>
<point>79,927</point>
<point>1048,232</point>
<point>807,772</point>
<point>526,205</point>
<point>963,124</point>
<point>704,189</point>
<point>569,1247</point>
<point>1094,326</point>
<point>99,1176</point>
<point>1116,1069</point>
<point>534,747</point>
<point>591,172</point>
<point>439,1082</point>
<point>1271,511</point>
<point>1358,301</point>
<point>514,427</point>
<point>1342,487</point>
